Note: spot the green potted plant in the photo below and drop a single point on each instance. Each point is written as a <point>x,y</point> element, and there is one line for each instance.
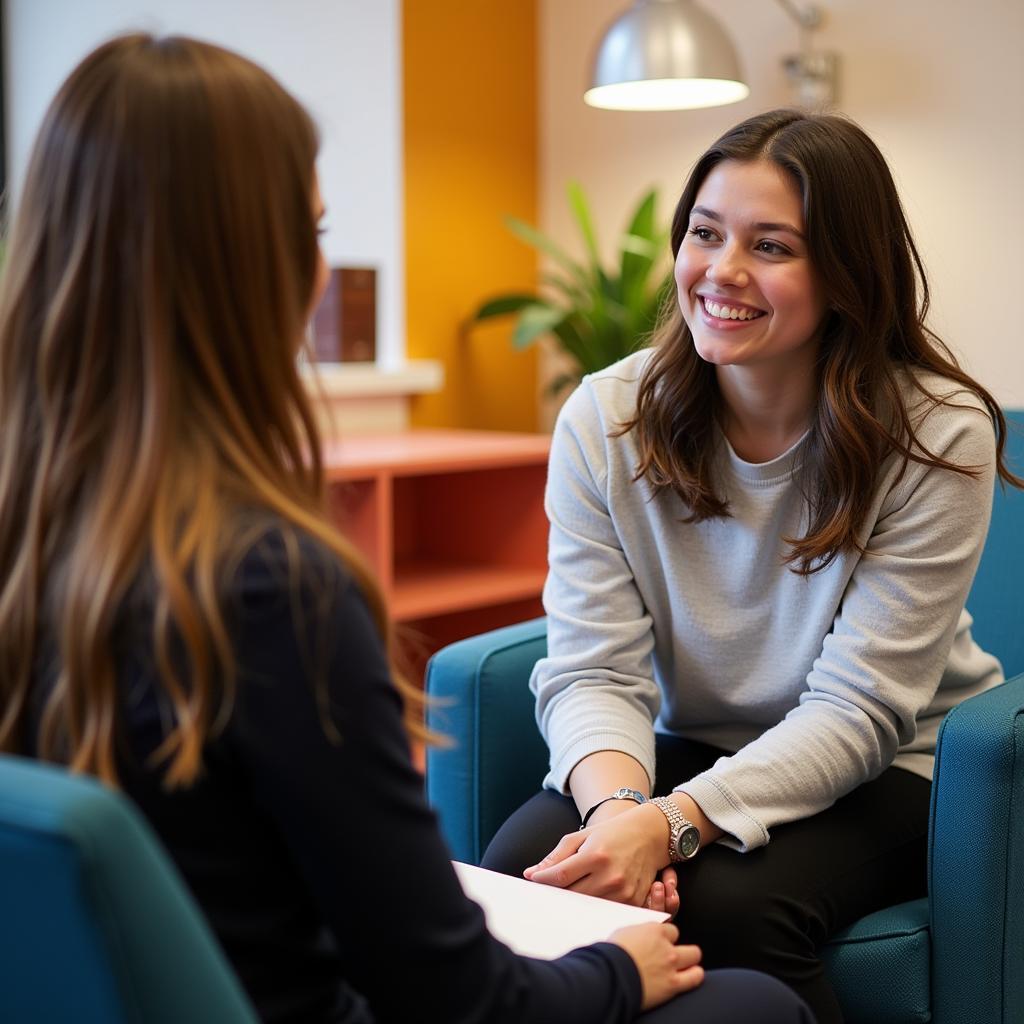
<point>597,315</point>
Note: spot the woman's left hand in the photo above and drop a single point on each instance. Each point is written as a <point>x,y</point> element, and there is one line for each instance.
<point>617,859</point>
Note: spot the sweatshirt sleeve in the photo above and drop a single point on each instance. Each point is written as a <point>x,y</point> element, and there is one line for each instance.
<point>596,689</point>
<point>317,726</point>
<point>882,662</point>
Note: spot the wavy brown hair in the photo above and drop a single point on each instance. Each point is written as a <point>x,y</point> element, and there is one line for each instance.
<point>860,245</point>
<point>160,271</point>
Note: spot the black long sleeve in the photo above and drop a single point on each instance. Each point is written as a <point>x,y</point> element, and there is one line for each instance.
<point>310,845</point>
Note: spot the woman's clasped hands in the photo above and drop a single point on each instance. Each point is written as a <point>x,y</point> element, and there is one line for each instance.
<point>621,856</point>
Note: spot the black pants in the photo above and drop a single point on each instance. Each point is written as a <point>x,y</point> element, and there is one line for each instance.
<point>733,997</point>
<point>770,909</point>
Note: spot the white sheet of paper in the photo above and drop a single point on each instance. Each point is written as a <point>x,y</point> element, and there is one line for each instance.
<point>542,921</point>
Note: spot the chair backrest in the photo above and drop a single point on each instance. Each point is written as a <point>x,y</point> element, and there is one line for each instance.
<point>480,696</point>
<point>95,923</point>
<point>997,598</point>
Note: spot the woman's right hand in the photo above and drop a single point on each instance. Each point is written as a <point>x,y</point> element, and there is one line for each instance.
<point>665,969</point>
<point>617,858</point>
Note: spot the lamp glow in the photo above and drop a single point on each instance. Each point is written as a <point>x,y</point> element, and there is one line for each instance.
<point>667,94</point>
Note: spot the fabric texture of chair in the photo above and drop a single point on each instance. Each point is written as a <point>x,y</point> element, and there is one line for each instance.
<point>95,922</point>
<point>955,958</point>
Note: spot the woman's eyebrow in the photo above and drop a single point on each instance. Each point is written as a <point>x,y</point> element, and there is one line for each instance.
<point>763,225</point>
<point>705,212</point>
<point>766,225</point>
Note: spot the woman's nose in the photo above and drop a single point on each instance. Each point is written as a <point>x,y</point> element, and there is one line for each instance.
<point>727,267</point>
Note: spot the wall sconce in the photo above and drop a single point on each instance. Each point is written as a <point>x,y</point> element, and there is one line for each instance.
<point>813,73</point>
<point>673,55</point>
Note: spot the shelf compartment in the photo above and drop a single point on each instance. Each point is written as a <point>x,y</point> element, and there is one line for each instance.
<point>424,589</point>
<point>486,517</point>
<point>360,509</point>
<point>453,524</point>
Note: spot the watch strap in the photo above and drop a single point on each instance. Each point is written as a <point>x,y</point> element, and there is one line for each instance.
<point>623,793</point>
<point>677,822</point>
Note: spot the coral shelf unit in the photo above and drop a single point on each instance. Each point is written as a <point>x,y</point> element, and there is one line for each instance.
<point>452,522</point>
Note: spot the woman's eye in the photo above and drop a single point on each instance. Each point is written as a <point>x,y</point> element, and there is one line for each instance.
<point>703,234</point>
<point>771,248</point>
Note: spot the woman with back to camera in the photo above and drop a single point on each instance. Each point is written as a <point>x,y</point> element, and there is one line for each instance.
<point>177,615</point>
<point>763,532</point>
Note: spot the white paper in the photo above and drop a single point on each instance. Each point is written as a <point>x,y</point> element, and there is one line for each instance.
<point>541,920</point>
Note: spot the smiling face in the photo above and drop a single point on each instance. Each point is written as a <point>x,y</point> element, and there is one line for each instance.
<point>745,283</point>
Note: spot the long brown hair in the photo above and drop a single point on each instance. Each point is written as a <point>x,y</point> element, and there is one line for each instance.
<point>859,243</point>
<point>160,270</point>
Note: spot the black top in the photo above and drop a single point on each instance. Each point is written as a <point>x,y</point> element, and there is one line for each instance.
<point>318,862</point>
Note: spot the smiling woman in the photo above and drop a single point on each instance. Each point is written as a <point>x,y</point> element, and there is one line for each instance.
<point>763,532</point>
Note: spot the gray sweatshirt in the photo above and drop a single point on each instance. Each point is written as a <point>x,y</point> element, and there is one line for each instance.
<point>813,684</point>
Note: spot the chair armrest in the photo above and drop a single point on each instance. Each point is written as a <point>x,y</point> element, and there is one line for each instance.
<point>976,859</point>
<point>479,696</point>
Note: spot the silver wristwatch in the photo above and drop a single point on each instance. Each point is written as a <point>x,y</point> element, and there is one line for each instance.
<point>623,793</point>
<point>683,835</point>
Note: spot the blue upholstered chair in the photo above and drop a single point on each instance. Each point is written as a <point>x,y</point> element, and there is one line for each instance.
<point>95,924</point>
<point>956,957</point>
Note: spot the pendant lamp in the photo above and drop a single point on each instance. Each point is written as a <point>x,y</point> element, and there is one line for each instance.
<point>665,55</point>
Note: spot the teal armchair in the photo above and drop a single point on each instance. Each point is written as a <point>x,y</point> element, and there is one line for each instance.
<point>956,957</point>
<point>95,923</point>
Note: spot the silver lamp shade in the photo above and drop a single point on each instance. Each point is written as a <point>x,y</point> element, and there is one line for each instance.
<point>665,55</point>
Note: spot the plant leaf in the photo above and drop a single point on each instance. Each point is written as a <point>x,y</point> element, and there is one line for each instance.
<point>581,210</point>
<point>601,338</point>
<point>538,240</point>
<point>575,295</point>
<point>534,321</point>
<point>657,299</point>
<point>640,251</point>
<point>643,222</point>
<point>502,305</point>
<point>573,342</point>
<point>608,288</point>
<point>640,246</point>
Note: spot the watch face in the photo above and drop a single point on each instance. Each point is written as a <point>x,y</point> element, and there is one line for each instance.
<point>625,793</point>
<point>688,841</point>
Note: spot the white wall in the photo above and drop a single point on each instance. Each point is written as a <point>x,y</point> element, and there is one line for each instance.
<point>341,58</point>
<point>940,87</point>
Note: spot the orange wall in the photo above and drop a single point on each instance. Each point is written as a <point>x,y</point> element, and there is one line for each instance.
<point>470,139</point>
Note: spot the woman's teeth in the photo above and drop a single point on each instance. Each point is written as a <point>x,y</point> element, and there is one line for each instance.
<point>730,312</point>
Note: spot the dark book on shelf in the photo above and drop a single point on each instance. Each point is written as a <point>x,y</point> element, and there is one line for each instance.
<point>345,322</point>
